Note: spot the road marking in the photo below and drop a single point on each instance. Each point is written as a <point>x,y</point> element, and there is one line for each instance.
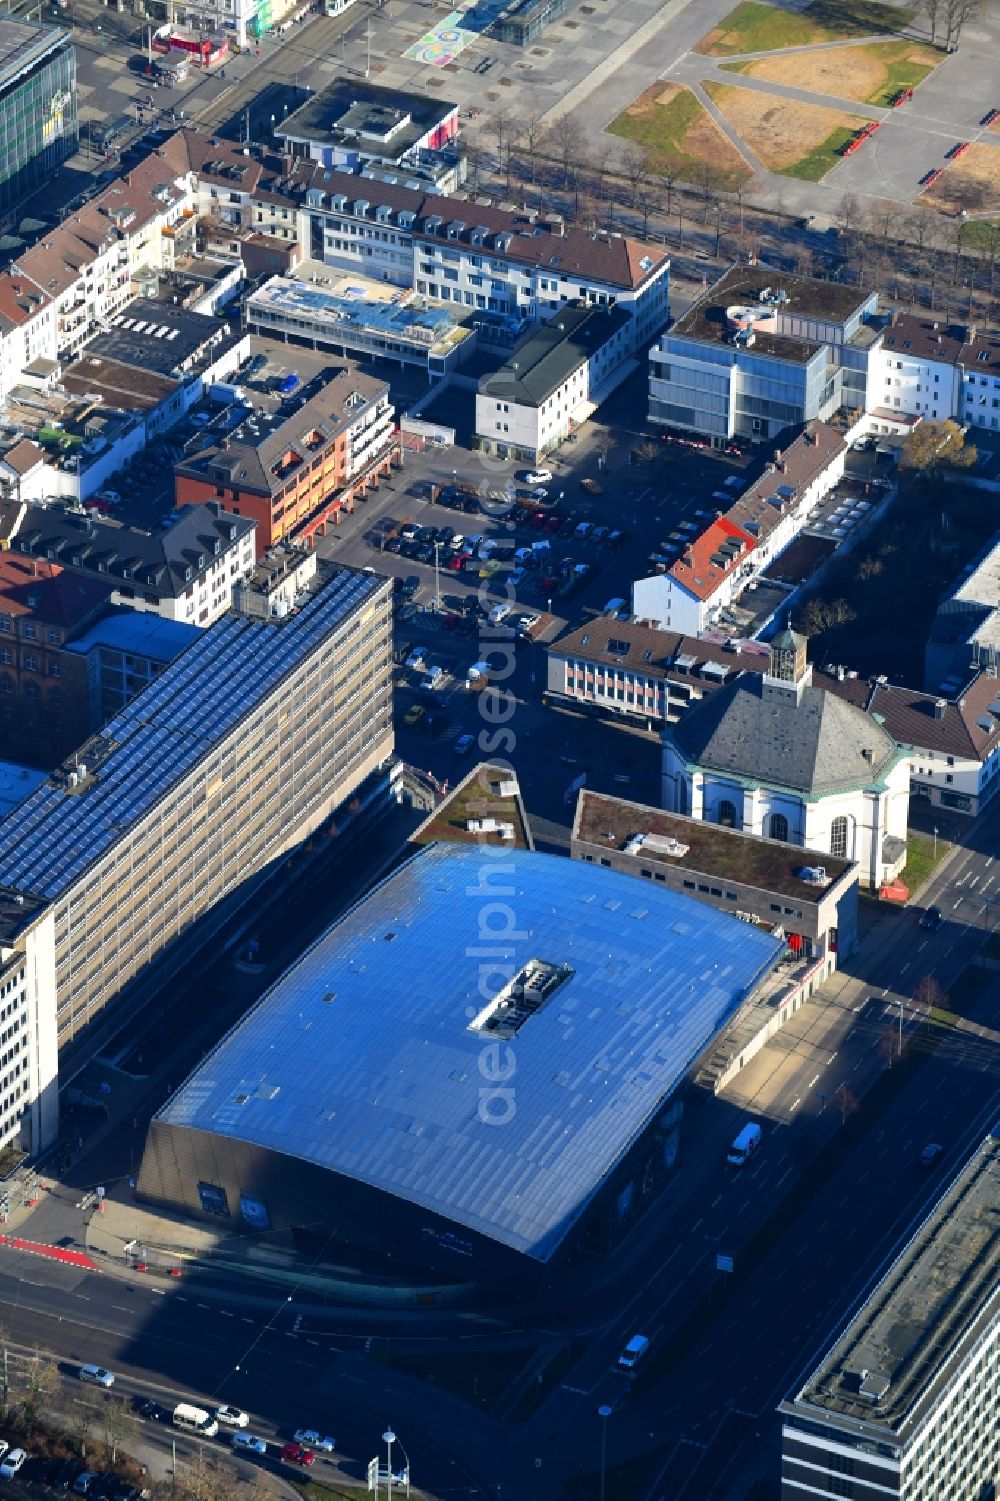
<point>290,1335</point>
<point>697,1223</point>
<point>158,1292</point>
<point>181,1298</point>
<point>716,1202</point>
<point>225,1314</point>
<point>83,1296</point>
<point>922,946</point>
<point>120,1308</point>
<point>812,1081</point>
<point>247,1321</point>
<point>795,1104</point>
<point>956,904</point>
<point>203,1305</point>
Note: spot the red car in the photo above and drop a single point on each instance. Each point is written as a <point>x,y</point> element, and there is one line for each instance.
<point>538,520</point>
<point>554,523</point>
<point>295,1454</point>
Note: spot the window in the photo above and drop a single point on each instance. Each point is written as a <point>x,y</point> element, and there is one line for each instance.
<point>727,814</point>
<point>838,838</point>
<point>778,827</point>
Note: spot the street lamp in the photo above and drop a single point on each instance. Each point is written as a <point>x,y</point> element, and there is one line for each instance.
<point>389,1438</point>
<point>604,1412</point>
<point>935,840</point>
<point>437,578</point>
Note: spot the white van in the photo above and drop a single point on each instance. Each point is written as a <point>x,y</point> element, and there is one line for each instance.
<point>633,1352</point>
<point>97,1375</point>
<point>498,613</point>
<point>745,1145</point>
<point>195,1420</point>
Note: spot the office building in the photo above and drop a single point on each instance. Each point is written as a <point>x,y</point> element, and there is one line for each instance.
<point>356,316</point>
<point>794,762</point>
<point>324,1115</point>
<point>759,352</point>
<point>38,107</point>
<point>352,121</point>
<point>137,848</point>
<point>641,675</point>
<point>123,652</point>
<point>293,472</point>
<point>808,897</point>
<point>553,381</point>
<point>905,1403</point>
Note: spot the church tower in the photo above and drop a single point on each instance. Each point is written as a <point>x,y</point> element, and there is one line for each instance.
<point>789,670</point>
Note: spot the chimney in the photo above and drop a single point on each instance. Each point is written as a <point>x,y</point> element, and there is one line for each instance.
<point>940,708</point>
<point>840,674</point>
<point>777,455</point>
<point>970,334</point>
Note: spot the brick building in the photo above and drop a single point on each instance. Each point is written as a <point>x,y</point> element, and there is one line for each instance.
<point>43,688</point>
<point>293,473</point>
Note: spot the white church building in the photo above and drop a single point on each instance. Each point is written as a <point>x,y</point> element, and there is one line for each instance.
<point>779,757</point>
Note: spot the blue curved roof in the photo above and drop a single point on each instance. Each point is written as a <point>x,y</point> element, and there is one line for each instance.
<point>361,1057</point>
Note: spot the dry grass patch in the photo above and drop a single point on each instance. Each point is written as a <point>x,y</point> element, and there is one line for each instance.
<point>679,134</point>
<point>973,183</point>
<point>871,74</point>
<point>800,140</point>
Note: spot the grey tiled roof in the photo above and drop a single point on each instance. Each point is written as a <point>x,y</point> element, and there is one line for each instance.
<point>816,746</point>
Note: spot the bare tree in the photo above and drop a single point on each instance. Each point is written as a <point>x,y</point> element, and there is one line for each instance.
<point>647,203</point>
<point>600,160</point>
<point>668,178</point>
<point>709,186</point>
<point>499,122</point>
<point>38,1380</point>
<point>633,163</point>
<point>956,13</point>
<point>120,1425</point>
<point>85,1416</point>
<point>531,134</point>
<point>932,10</point>
<point>5,1366</point>
<point>566,138</point>
<point>848,214</point>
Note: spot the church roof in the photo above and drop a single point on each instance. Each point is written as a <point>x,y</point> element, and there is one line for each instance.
<point>817,746</point>
<point>789,640</point>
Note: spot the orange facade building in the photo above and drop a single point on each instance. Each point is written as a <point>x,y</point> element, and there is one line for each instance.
<point>294,473</point>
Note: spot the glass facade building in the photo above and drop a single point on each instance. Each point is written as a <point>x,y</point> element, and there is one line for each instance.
<point>39,128</point>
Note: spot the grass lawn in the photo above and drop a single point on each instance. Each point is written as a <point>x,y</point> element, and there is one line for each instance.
<point>788,135</point>
<point>921,860</point>
<point>312,1490</point>
<point>822,157</point>
<point>753,27</point>
<point>679,134</point>
<point>981,234</point>
<point>871,74</point>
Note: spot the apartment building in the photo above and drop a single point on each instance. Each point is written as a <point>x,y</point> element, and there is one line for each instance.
<point>43,689</point>
<point>952,744</point>
<point>905,1403</point>
<point>294,474</point>
<point>511,269</point>
<point>928,369</point>
<point>714,567</point>
<point>553,381</point>
<point>184,572</point>
<point>244,745</point>
<point>639,674</point>
<point>760,352</point>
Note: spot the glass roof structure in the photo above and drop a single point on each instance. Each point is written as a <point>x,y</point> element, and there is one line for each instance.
<point>365,1057</point>
<point>156,740</point>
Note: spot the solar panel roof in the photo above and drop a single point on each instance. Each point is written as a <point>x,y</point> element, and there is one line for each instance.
<point>162,733</point>
<point>361,1058</point>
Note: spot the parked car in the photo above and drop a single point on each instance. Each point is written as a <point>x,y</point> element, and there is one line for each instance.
<point>232,1417</point>
<point>464,744</point>
<point>931,918</point>
<point>84,1482</point>
<point>97,1375</point>
<point>295,1454</point>
<point>310,1439</point>
<point>413,715</point>
<point>248,1443</point>
<point>929,1157</point>
<point>538,477</point>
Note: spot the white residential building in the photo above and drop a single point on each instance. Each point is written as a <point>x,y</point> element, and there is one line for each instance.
<point>553,381</point>
<point>717,564</point>
<point>952,744</point>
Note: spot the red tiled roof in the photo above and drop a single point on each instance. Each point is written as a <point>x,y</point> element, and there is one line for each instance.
<point>60,598</point>
<point>697,571</point>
